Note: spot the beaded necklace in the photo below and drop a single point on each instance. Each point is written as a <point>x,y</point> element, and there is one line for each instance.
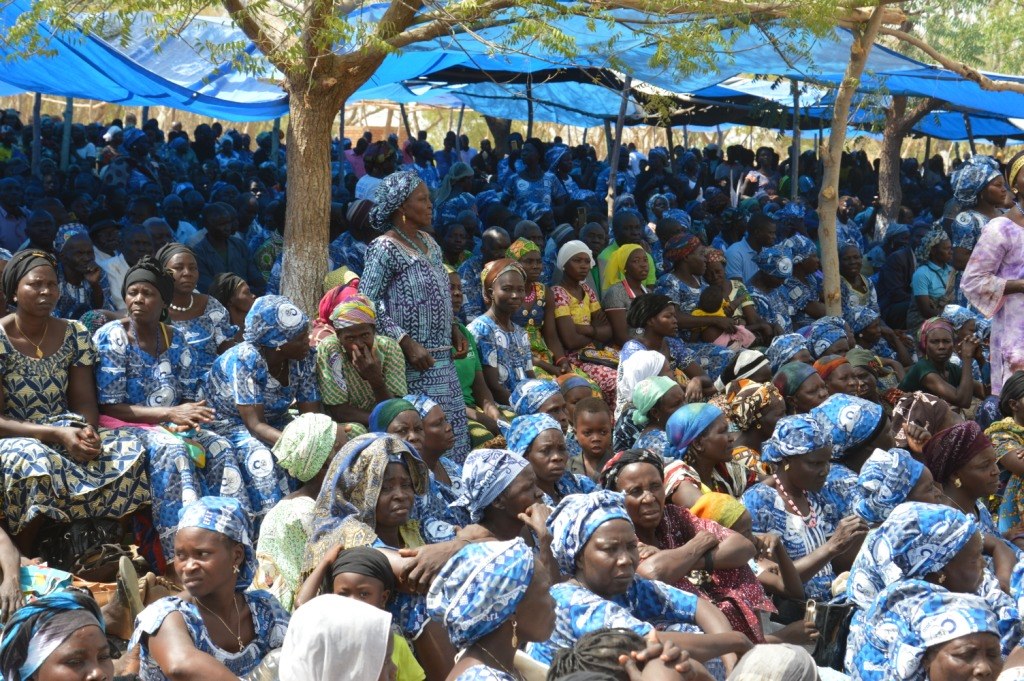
<point>811,519</point>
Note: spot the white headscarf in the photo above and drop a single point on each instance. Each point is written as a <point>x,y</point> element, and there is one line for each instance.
<point>335,638</point>
<point>641,364</point>
<point>570,250</point>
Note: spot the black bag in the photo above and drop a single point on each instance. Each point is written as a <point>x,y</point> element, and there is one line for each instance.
<point>88,548</point>
<point>832,620</point>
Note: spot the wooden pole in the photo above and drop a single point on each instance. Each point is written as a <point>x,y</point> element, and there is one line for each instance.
<point>275,140</point>
<point>668,138</point>
<point>970,134</point>
<point>927,148</point>
<point>405,120</point>
<point>608,137</point>
<point>458,130</point>
<point>65,141</point>
<point>529,107</point>
<point>794,154</point>
<point>145,116</point>
<point>686,135</point>
<point>614,160</point>
<point>37,139</point>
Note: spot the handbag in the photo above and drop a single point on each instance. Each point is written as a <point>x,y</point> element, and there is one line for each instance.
<point>89,548</point>
<point>832,620</point>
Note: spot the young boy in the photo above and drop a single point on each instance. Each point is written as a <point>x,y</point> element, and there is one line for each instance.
<point>592,424</point>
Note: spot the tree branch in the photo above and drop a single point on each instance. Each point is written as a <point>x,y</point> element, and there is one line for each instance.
<point>255,31</point>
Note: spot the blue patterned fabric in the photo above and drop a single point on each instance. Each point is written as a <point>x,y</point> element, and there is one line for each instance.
<point>479,588</point>
<point>480,672</point>
<point>226,516</point>
<point>783,348</point>
<point>823,335</point>
<point>486,474</point>
<point>76,299</point>
<point>125,373</point>
<point>795,436</point>
<point>508,352</point>
<point>851,421</point>
<point>907,619</point>
<point>472,289</point>
<point>770,514</point>
<point>773,307</point>
<point>531,199</point>
<point>576,518</point>
<point>447,211</point>
<point>439,503</point>
<point>389,195</point>
<point>687,424</point>
<point>348,251</point>
<point>958,315</point>
<point>655,440</point>
<point>205,334</point>
<point>525,429</point>
<point>799,292</point>
<point>273,321</point>
<point>885,481</point>
<point>774,263</point>
<point>269,619</point>
<point>799,248</point>
<point>529,396</point>
<point>646,605</point>
<point>851,298</point>
<point>860,317</point>
<point>967,226</point>
<point>712,358</point>
<point>427,173</point>
<point>971,178</point>
<point>66,233</point>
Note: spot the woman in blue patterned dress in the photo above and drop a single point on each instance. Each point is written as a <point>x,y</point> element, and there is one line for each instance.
<point>539,439</point>
<point>791,505</point>
<point>54,462</point>
<point>252,386</point>
<point>215,628</point>
<point>404,275</point>
<point>204,322</point>
<point>145,377</point>
<point>490,596</point>
<point>537,313</point>
<point>532,192</point>
<point>594,544</point>
<point>445,475</point>
<point>454,195</point>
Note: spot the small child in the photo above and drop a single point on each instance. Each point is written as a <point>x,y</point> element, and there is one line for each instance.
<point>712,304</point>
<point>592,424</point>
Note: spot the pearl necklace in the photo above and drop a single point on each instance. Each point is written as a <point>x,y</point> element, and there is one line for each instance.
<point>811,519</point>
<point>191,302</point>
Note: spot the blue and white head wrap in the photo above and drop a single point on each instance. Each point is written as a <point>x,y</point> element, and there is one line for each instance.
<point>784,348</point>
<point>487,473</point>
<point>389,196</point>
<point>799,247</point>
<point>553,155</point>
<point>972,177</point>
<point>797,435</point>
<point>40,627</point>
<point>226,516</point>
<point>958,315</point>
<point>66,233</point>
<point>910,617</point>
<point>860,317</point>
<point>885,481</point>
<point>680,216</point>
<point>529,395</point>
<point>479,588</point>
<point>851,421</point>
<point>686,425</point>
<point>823,335</point>
<point>273,321</point>
<point>423,404</point>
<point>525,429</point>
<point>576,518</point>
<point>774,263</point>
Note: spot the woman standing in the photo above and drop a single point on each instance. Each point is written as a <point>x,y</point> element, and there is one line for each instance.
<point>532,192</point>
<point>145,378</point>
<point>215,629</point>
<point>203,321</point>
<point>56,465</point>
<point>403,266</point>
<point>994,280</point>
<point>252,386</point>
<point>981,192</point>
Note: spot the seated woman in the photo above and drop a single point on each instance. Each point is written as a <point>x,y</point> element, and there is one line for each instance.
<point>231,291</point>
<point>887,479</point>
<point>504,346</point>
<point>60,636</point>
<point>191,635</point>
<point>674,544</point>
<point>934,373</point>
<point>700,447</point>
<point>934,281</point>
<point>145,379</point>
<point>251,388</point>
<point>655,400</point>
<point>803,289</point>
<point>580,321</point>
<point>824,338</point>
<point>856,290</point>
<point>767,292</point>
<point>654,316</point>
<point>737,298</point>
<point>445,475</point>
<point>367,499</point>
<point>929,630</point>
<point>872,334</point>
<point>322,326</point>
<point>790,504</point>
<point>501,496</point>
<point>204,322</point>
<point>356,367</point>
<point>752,409</point>
<point>489,597</point>
<point>801,387</point>
<point>304,450</point>
<point>963,461</point>
<point>540,396</point>
<point>624,277</point>
<point>338,638</point>
<point>641,365</point>
<point>933,543</point>
<point>83,286</point>
<point>1007,436</point>
<point>594,543</point>
<point>789,347</point>
<point>877,381</point>
<point>537,313</point>
<point>539,439</point>
<point>838,374</point>
<point>57,467</point>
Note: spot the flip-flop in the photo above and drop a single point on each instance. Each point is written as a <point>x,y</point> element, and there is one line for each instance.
<point>128,586</point>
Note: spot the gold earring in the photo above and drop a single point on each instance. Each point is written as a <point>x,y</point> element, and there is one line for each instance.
<point>956,482</point>
<point>236,569</point>
<point>403,218</point>
<point>785,467</point>
<point>515,634</point>
<point>942,578</point>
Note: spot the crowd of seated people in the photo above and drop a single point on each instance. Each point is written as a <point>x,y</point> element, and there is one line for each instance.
<point>519,438</point>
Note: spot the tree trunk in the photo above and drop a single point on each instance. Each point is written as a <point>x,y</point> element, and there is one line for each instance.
<point>311,113</point>
<point>500,129</point>
<point>898,124</point>
<point>828,199</point>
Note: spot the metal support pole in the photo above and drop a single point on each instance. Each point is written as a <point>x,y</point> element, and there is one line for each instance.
<point>65,141</point>
<point>794,154</point>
